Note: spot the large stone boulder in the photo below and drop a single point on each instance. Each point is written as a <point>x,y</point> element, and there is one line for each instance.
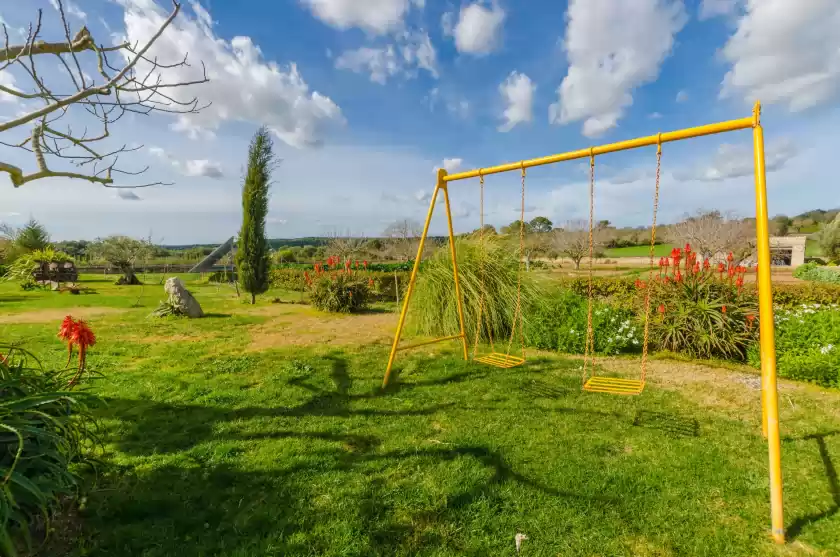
<point>180,297</point>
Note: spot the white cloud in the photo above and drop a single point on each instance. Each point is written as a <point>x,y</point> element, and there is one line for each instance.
<point>518,93</point>
<point>413,51</point>
<point>714,8</point>
<point>203,167</point>
<point>128,195</point>
<point>736,161</point>
<point>242,87</point>
<point>682,96</point>
<point>655,115</point>
<point>460,108</point>
<point>191,168</point>
<point>70,8</point>
<point>447,23</point>
<point>374,16</point>
<point>479,29</point>
<point>609,57</point>
<point>8,80</point>
<point>450,165</point>
<point>785,52</point>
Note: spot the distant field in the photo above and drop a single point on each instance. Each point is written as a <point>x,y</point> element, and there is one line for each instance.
<point>660,250</point>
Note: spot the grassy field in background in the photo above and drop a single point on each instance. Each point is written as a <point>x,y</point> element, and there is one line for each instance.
<point>262,430</point>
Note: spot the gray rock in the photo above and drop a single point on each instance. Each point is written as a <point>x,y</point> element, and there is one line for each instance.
<point>181,297</point>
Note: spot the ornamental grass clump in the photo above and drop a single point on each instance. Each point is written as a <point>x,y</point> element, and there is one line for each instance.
<point>491,271</point>
<point>699,309</point>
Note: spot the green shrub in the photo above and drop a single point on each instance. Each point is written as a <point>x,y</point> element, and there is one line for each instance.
<point>288,279</point>
<point>558,322</point>
<point>794,295</point>
<point>22,268</point>
<point>434,309</point>
<point>617,290</point>
<point>225,276</point>
<point>45,434</point>
<point>807,344</point>
<point>816,273</point>
<point>340,292</point>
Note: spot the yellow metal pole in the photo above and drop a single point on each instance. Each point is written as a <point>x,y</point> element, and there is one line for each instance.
<point>442,185</point>
<point>767,333</point>
<point>410,288</point>
<point>665,137</point>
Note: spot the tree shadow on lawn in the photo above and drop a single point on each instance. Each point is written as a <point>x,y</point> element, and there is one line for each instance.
<point>317,499</point>
<point>796,527</point>
<point>215,508</point>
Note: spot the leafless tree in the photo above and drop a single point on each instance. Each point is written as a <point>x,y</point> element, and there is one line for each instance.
<point>128,81</point>
<point>572,240</point>
<point>403,237</point>
<point>715,234</point>
<point>345,246</point>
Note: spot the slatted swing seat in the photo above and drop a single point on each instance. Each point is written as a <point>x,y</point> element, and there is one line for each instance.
<point>503,360</point>
<point>616,385</point>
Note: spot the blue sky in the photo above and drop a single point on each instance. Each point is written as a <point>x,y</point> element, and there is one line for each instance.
<point>368,97</point>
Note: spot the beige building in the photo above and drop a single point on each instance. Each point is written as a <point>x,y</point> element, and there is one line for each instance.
<point>788,250</point>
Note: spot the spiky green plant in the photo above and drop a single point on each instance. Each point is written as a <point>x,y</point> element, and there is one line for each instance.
<point>45,433</point>
<point>433,306</point>
<point>252,255</point>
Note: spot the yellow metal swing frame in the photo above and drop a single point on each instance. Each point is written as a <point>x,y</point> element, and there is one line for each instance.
<point>769,392</point>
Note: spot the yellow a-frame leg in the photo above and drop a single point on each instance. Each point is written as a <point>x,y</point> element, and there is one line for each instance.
<point>441,185</point>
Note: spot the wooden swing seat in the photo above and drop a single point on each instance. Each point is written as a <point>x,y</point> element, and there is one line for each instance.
<point>614,385</point>
<point>501,360</point>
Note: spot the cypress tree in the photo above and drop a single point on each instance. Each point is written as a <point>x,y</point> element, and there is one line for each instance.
<point>252,257</point>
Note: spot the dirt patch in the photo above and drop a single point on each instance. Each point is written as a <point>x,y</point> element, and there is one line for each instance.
<point>48,315</point>
<point>308,330</point>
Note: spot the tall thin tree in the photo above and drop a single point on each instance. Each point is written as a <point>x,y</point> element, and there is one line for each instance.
<point>252,255</point>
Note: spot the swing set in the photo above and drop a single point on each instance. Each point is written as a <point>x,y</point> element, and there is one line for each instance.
<point>591,381</point>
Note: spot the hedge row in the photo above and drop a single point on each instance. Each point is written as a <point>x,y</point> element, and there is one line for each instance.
<point>384,289</point>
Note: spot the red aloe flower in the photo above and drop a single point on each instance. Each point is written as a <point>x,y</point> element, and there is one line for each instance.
<point>706,265</point>
<point>723,309</point>
<point>688,248</point>
<point>730,257</point>
<point>365,264</point>
<point>637,283</point>
<point>696,267</point>
<point>739,282</point>
<point>678,276</point>
<point>750,319</point>
<point>370,283</point>
<point>65,333</point>
<point>661,309</point>
<point>720,268</point>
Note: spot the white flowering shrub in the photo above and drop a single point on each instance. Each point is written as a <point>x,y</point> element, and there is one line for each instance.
<point>807,344</point>
<point>559,323</point>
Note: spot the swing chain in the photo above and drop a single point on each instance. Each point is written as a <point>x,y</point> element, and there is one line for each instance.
<point>650,265</point>
<point>517,312</point>
<point>481,256</point>
<point>589,348</point>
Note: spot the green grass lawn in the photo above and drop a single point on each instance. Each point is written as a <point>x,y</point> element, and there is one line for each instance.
<point>660,250</point>
<point>262,430</point>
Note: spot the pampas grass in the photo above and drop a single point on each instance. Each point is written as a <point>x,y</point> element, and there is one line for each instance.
<point>434,311</point>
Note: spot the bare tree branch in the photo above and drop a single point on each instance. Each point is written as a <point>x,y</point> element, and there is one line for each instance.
<point>119,91</point>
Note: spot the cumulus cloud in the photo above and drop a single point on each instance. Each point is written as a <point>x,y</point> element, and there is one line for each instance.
<point>191,168</point>
<point>478,30</point>
<point>412,51</point>
<point>518,93</point>
<point>609,58</point>
<point>243,86</point>
<point>736,161</point>
<point>715,8</point>
<point>377,17</point>
<point>785,52</point>
<point>450,165</point>
<point>8,80</point>
<point>203,167</point>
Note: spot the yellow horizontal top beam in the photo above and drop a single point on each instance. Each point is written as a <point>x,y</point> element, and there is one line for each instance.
<point>665,137</point>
